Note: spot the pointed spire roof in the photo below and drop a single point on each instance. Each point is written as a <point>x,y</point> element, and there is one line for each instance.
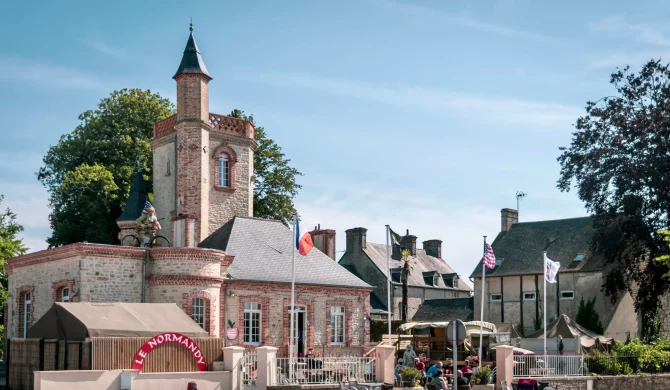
<point>138,195</point>
<point>192,62</point>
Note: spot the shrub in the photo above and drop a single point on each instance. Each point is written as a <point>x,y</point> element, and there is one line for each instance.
<point>410,376</point>
<point>482,376</point>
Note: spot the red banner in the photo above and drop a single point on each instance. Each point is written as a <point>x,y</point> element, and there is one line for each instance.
<point>174,338</point>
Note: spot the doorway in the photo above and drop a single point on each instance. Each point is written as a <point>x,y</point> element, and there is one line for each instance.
<point>300,339</point>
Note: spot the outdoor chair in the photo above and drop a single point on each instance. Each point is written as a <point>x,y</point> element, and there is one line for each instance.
<point>431,387</point>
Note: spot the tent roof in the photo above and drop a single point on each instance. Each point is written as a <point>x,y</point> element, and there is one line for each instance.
<point>565,327</point>
<point>78,320</point>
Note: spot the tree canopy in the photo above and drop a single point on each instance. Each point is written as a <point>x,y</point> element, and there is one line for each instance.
<point>275,185</point>
<point>619,162</point>
<point>588,317</point>
<point>89,171</point>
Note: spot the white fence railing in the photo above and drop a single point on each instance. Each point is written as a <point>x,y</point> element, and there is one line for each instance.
<point>548,365</point>
<point>326,370</point>
<point>249,368</point>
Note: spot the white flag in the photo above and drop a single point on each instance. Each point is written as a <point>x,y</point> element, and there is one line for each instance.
<point>550,269</point>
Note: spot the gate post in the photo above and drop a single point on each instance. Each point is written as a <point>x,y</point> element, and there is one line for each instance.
<point>385,356</point>
<point>504,364</point>
<point>232,361</point>
<point>267,367</point>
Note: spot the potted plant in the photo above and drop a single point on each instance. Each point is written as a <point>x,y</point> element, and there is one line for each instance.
<point>481,379</point>
<point>410,377</point>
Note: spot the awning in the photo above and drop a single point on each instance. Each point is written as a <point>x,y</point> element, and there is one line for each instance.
<point>79,320</point>
<point>421,325</point>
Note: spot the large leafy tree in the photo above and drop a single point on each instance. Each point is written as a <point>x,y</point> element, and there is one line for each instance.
<point>619,162</point>
<point>588,317</point>
<point>89,171</point>
<point>10,246</point>
<point>275,185</point>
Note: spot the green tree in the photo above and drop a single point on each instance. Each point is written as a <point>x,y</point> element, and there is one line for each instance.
<point>275,185</point>
<point>89,171</point>
<point>588,317</point>
<point>10,246</point>
<point>405,257</point>
<point>618,162</point>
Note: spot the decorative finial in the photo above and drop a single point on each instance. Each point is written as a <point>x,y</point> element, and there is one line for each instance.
<point>191,27</point>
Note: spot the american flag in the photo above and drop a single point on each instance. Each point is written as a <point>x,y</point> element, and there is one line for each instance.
<point>489,257</point>
<point>147,204</point>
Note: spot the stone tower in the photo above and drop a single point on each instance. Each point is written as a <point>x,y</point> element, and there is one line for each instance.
<point>203,162</point>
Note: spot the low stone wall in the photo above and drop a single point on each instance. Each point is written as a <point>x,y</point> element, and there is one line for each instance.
<point>633,382</point>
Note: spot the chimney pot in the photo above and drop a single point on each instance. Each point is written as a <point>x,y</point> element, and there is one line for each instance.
<point>508,217</point>
<point>324,240</point>
<point>433,248</point>
<point>409,242</point>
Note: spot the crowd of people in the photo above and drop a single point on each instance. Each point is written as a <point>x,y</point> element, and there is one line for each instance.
<point>440,374</point>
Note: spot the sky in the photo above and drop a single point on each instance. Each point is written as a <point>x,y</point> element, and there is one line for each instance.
<point>424,115</point>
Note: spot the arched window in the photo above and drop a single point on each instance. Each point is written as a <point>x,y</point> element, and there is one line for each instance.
<point>199,311</point>
<point>65,294</point>
<point>224,172</point>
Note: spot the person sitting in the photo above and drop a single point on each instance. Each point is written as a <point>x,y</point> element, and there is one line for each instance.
<point>461,380</point>
<point>493,373</point>
<point>312,362</point>
<point>438,381</point>
<point>419,365</point>
<point>449,367</point>
<point>397,372</point>
<point>467,369</point>
<point>434,369</point>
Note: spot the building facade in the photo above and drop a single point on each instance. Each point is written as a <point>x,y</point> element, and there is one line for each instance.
<point>515,288</point>
<point>227,270</point>
<point>430,276</point>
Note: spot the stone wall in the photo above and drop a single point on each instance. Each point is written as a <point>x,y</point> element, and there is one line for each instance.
<point>275,300</point>
<point>637,382</point>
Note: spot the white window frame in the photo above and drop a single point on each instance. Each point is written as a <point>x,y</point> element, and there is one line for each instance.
<point>26,313</point>
<point>572,298</point>
<point>529,299</point>
<point>337,331</point>
<point>491,299</point>
<point>65,294</point>
<point>224,171</point>
<point>252,312</point>
<point>580,259</point>
<point>199,311</point>
<point>436,280</point>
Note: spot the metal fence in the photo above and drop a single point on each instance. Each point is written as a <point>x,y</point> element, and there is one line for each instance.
<point>249,368</point>
<point>548,365</point>
<point>603,364</point>
<point>326,370</point>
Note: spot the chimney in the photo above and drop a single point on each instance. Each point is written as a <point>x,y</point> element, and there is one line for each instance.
<point>356,240</point>
<point>433,248</point>
<point>324,240</point>
<point>409,242</point>
<point>508,217</point>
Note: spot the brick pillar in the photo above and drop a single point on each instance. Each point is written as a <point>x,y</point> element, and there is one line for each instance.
<point>385,363</point>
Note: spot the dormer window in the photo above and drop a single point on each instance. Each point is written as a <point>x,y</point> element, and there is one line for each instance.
<point>450,280</point>
<point>436,280</point>
<point>579,257</point>
<point>395,275</point>
<point>431,278</point>
<point>499,261</point>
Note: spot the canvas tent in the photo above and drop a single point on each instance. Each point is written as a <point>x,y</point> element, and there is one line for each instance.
<point>79,320</point>
<point>565,327</point>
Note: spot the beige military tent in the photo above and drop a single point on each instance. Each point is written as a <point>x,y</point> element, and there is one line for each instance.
<point>565,327</point>
<point>79,320</point>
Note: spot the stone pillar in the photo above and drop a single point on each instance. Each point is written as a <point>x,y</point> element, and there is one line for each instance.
<point>232,361</point>
<point>504,365</point>
<point>385,363</point>
<point>267,367</point>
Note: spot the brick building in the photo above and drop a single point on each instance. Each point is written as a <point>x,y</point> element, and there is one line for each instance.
<point>429,278</point>
<point>224,266</point>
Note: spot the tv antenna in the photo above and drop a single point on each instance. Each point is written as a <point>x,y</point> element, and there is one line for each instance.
<point>519,196</point>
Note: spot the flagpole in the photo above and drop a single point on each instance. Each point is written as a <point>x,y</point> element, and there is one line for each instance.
<point>292,309</point>
<point>388,282</point>
<point>481,317</point>
<point>544,308</point>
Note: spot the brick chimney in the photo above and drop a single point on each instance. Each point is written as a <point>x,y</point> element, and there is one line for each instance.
<point>433,248</point>
<point>508,217</point>
<point>324,240</point>
<point>409,242</point>
<point>356,239</point>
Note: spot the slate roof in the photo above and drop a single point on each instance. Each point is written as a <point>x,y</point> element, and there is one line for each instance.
<point>136,199</point>
<point>522,245</point>
<point>377,305</point>
<point>420,263</point>
<point>444,310</point>
<point>191,62</point>
<point>263,251</point>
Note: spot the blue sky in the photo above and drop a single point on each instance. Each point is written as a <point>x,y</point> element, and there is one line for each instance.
<point>425,115</point>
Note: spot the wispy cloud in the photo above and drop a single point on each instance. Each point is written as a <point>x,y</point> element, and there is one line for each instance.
<point>47,75</point>
<point>633,59</point>
<point>643,33</point>
<point>434,101</point>
<point>102,47</point>
<point>463,19</point>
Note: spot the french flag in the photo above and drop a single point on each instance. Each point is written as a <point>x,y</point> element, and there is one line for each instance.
<point>303,244</point>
